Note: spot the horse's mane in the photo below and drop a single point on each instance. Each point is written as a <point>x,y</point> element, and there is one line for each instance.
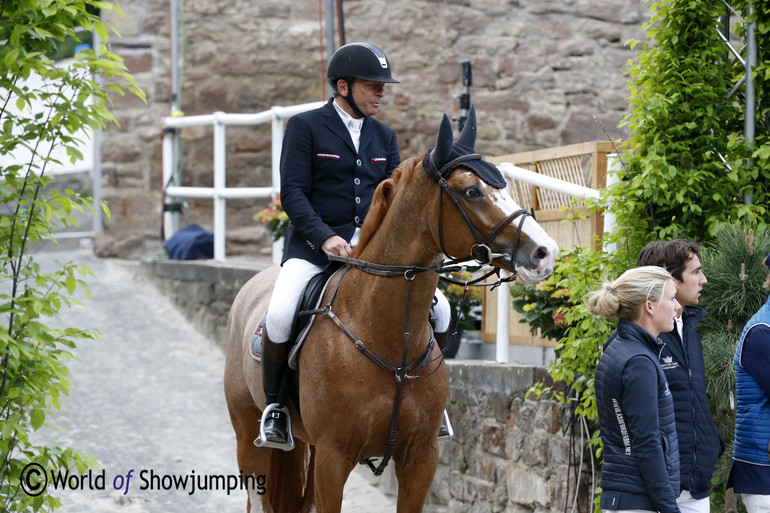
<point>383,196</point>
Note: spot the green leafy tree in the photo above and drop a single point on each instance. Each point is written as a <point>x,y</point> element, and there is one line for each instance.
<point>684,124</point>
<point>33,121</point>
<point>689,173</point>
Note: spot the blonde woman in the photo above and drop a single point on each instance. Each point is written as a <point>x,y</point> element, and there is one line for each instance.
<point>636,411</point>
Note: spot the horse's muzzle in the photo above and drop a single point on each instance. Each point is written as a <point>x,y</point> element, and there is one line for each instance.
<point>535,262</point>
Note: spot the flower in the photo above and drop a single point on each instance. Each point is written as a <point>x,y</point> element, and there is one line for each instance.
<point>559,319</point>
<point>275,219</point>
<point>543,306</point>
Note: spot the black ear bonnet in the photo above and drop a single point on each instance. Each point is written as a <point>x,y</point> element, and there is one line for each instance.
<point>445,157</point>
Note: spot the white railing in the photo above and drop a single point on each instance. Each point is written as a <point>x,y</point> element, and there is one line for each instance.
<point>220,193</point>
<point>512,172</point>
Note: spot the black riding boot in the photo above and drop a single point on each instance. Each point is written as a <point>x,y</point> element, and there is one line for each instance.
<point>275,359</point>
<point>442,339</point>
<point>445,433</point>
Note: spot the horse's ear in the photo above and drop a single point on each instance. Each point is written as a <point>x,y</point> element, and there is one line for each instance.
<point>467,137</point>
<point>443,148</point>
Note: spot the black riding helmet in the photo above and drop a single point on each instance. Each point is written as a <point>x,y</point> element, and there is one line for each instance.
<point>358,60</point>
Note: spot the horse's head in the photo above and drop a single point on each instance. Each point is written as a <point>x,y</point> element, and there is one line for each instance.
<point>478,218</point>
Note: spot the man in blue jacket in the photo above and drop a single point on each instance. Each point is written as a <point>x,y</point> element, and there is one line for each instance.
<point>700,443</point>
<point>332,160</point>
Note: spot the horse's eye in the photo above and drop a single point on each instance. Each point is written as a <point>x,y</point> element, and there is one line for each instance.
<point>472,192</point>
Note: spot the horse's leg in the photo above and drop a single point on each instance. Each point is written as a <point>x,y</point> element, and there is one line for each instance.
<point>309,500</point>
<point>332,468</point>
<point>251,460</point>
<point>245,417</point>
<point>414,473</point>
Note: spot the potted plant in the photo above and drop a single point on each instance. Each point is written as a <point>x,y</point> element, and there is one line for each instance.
<point>543,306</point>
<point>466,309</point>
<point>275,219</point>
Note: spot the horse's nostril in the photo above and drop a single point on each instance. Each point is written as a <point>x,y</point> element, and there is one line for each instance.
<point>541,253</point>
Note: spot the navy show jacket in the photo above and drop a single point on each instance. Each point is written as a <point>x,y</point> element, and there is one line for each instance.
<point>700,443</point>
<point>326,186</point>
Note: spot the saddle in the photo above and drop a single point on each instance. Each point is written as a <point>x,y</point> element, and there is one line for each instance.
<point>309,300</point>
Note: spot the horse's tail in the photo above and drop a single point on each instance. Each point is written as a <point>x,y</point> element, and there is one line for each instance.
<point>290,480</point>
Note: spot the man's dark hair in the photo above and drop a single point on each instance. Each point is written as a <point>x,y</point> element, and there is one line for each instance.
<point>671,255</point>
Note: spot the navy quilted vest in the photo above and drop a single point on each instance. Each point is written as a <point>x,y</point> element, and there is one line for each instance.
<point>620,471</point>
<point>752,415</point>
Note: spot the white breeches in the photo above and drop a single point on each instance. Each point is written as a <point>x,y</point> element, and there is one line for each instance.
<point>688,504</point>
<point>291,282</point>
<point>756,503</point>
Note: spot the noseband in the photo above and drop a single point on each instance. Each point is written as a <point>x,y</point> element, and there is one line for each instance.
<point>480,251</point>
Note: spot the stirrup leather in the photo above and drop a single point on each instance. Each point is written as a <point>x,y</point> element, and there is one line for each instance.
<point>449,434</point>
<point>262,440</point>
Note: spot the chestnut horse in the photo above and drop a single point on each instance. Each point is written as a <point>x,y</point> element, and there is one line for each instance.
<point>372,383</point>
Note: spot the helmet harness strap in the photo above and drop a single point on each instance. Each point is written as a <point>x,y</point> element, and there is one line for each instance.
<point>349,98</point>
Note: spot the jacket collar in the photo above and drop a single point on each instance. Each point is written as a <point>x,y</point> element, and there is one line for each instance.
<point>692,314</point>
<point>630,330</point>
<point>337,126</point>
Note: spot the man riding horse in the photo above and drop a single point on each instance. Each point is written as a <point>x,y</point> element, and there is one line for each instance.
<point>332,160</point>
<point>372,384</point>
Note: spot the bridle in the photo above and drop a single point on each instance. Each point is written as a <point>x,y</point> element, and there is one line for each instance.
<point>483,239</point>
<point>479,252</point>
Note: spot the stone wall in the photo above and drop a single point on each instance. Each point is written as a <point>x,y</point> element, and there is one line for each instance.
<point>508,455</point>
<point>545,73</point>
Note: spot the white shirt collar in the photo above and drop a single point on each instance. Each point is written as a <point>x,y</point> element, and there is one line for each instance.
<point>349,121</point>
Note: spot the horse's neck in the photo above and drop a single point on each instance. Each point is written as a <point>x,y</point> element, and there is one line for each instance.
<point>402,239</point>
<point>404,236</point>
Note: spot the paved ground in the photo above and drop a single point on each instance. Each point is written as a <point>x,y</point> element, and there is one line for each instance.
<point>148,398</point>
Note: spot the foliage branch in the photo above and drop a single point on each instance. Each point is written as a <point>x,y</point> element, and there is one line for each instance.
<point>689,173</point>
<point>35,120</point>
<point>464,300</point>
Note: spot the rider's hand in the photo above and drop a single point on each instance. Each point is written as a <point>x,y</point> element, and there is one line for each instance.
<point>336,245</point>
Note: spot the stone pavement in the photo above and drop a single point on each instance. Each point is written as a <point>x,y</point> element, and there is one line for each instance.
<point>148,402</point>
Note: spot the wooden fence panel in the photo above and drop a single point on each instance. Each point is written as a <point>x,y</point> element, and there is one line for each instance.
<point>582,164</point>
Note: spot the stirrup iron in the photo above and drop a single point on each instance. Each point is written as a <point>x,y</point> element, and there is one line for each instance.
<point>450,434</point>
<point>262,441</point>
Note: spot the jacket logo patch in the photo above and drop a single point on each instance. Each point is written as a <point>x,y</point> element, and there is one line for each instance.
<point>668,363</point>
<point>379,159</point>
<point>622,426</point>
<point>327,156</point>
